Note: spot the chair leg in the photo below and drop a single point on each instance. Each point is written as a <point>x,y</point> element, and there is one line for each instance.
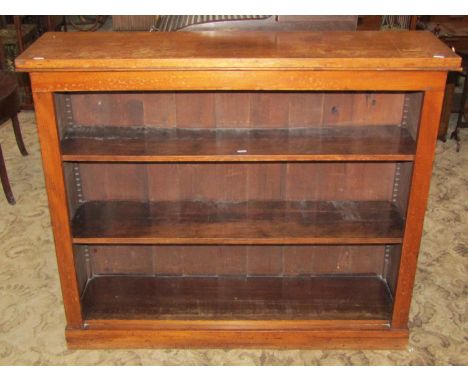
<point>456,133</point>
<point>18,136</point>
<point>5,181</point>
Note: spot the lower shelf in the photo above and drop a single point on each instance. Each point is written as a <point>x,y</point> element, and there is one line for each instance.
<point>228,298</point>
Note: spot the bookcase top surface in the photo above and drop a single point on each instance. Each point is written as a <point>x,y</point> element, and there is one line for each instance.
<point>147,51</point>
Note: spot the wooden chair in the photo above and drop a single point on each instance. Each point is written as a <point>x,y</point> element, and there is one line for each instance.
<point>9,108</point>
<point>463,113</point>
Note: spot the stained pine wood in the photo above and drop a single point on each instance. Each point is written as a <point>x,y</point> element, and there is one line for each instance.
<point>241,50</point>
<point>237,223</point>
<point>127,297</point>
<point>385,143</point>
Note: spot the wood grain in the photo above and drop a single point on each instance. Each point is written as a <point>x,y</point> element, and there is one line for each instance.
<point>275,339</point>
<point>293,324</point>
<point>230,80</point>
<point>232,260</point>
<point>237,223</point>
<point>241,50</point>
<point>417,203</point>
<point>58,205</point>
<point>216,298</point>
<point>237,181</point>
<point>237,109</point>
<point>288,205</point>
<point>382,143</point>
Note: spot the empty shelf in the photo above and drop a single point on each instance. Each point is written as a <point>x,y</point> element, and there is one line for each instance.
<point>369,143</point>
<point>319,297</point>
<point>253,222</point>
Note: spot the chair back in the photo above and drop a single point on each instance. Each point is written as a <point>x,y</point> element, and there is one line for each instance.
<point>2,56</point>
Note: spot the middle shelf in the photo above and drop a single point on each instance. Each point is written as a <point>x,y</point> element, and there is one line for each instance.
<point>251,222</point>
<point>344,143</point>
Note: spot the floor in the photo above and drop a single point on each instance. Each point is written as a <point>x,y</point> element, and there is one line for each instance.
<point>32,319</point>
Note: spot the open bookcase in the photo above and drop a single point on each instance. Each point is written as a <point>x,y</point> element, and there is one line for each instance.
<point>233,206</point>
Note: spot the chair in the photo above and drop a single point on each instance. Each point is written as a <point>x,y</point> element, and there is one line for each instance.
<point>188,23</point>
<point>463,113</point>
<point>9,108</point>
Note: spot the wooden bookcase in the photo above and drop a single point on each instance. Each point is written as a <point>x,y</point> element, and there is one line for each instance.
<point>237,190</point>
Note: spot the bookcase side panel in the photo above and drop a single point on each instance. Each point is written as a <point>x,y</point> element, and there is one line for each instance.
<point>58,205</point>
<point>420,183</point>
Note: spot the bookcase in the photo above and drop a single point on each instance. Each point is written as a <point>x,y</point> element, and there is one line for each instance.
<point>249,189</point>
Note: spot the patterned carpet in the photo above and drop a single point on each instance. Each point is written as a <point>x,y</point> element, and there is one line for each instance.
<point>31,314</point>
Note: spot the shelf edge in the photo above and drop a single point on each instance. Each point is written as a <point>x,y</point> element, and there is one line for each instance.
<point>237,241</point>
<point>237,158</point>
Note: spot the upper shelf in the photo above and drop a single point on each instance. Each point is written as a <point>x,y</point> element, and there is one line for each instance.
<point>392,50</point>
<point>344,143</point>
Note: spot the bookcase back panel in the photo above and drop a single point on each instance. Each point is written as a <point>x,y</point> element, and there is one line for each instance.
<point>236,181</point>
<point>238,109</point>
<point>239,260</point>
<point>226,262</point>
